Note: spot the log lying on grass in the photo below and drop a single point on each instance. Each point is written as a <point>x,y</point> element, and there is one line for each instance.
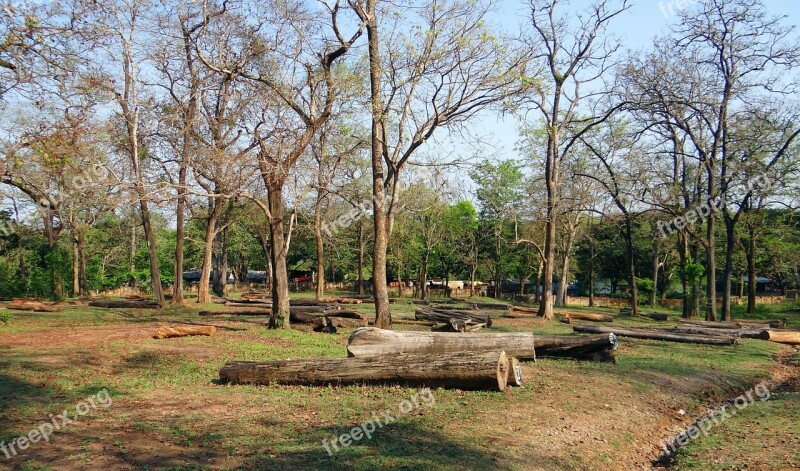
<point>485,370</point>
<point>35,306</point>
<point>710,324</point>
<point>124,304</point>
<point>184,331</point>
<point>238,312</point>
<point>427,314</point>
<point>378,342</point>
<point>651,334</point>
<point>584,316</point>
<point>459,325</point>
<point>248,305</point>
<point>525,310</point>
<point>492,306</point>
<point>781,336</point>
<point>744,333</point>
<point>763,323</point>
<point>600,347</point>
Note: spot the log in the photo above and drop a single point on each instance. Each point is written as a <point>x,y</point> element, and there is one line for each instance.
<point>377,342</point>
<point>169,332</point>
<point>370,341</point>
<point>478,317</point>
<point>525,310</point>
<point>300,317</point>
<point>238,312</point>
<point>318,308</point>
<point>405,322</point>
<point>601,347</point>
<point>453,307</point>
<point>485,370</point>
<point>657,316</point>
<point>346,314</point>
<point>346,322</point>
<point>249,305</point>
<point>690,329</point>
<point>764,323</point>
<point>493,306</point>
<point>784,336</point>
<point>650,334</point>
<point>514,372</point>
<point>257,295</point>
<point>123,304</point>
<point>35,306</point>
<point>584,316</point>
<point>349,301</point>
<point>453,325</point>
<point>711,324</point>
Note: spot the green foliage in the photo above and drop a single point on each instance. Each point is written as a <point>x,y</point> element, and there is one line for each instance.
<point>5,317</point>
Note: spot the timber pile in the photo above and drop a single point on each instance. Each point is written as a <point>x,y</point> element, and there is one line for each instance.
<point>184,331</point>
<point>441,315</point>
<point>567,317</point>
<point>459,325</point>
<point>463,370</point>
<point>124,304</point>
<point>35,306</point>
<point>369,341</point>
<point>653,334</point>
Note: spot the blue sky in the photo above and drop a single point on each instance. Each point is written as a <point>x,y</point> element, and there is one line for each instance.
<point>636,28</point>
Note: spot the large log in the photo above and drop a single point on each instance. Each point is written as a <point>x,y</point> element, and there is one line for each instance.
<point>346,322</point>
<point>485,370</point>
<point>377,342</point>
<point>744,333</point>
<point>492,306</point>
<point>650,334</point>
<point>238,312</point>
<point>781,336</point>
<point>710,324</point>
<point>478,317</point>
<point>600,347</point>
<point>168,332</point>
<point>584,316</point>
<point>370,341</point>
<point>35,306</point>
<point>124,303</point>
<point>763,323</point>
<point>525,310</point>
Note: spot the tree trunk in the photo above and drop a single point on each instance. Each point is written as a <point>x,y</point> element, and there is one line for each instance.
<point>730,245</point>
<point>631,265</point>
<point>203,286</point>
<point>361,250</point>
<point>711,269</point>
<point>280,276</point>
<point>320,246</point>
<point>423,275</point>
<point>656,258</point>
<point>76,282</point>
<point>220,284</point>
<point>561,299</point>
<point>464,370</point>
<point>591,271</point>
<point>52,242</point>
<point>752,284</point>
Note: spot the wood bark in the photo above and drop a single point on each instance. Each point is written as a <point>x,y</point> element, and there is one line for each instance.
<point>477,317</point>
<point>585,316</point>
<point>657,335</point>
<point>463,370</point>
<point>124,304</point>
<point>786,337</point>
<point>184,331</point>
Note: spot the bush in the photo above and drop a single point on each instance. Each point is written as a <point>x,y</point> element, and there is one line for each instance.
<point>5,317</point>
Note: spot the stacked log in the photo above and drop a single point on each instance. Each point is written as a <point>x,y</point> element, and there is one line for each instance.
<point>463,370</point>
<point>787,337</point>
<point>710,324</point>
<point>124,304</point>
<point>439,315</point>
<point>172,331</point>
<point>458,325</point>
<point>378,342</point>
<point>759,323</point>
<point>652,334</point>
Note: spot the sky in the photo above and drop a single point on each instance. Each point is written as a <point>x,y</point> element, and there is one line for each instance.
<point>636,29</point>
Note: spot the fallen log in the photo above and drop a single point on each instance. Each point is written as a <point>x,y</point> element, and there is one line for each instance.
<point>650,334</point>
<point>405,322</point>
<point>249,305</point>
<point>346,322</point>
<point>257,295</point>
<point>493,306</point>
<point>764,323</point>
<point>525,309</point>
<point>585,316</point>
<point>123,304</point>
<point>376,342</point>
<point>657,316</point>
<point>35,306</point>
<point>744,333</point>
<point>453,307</point>
<point>711,324</point>
<point>349,301</point>
<point>600,348</point>
<point>172,331</point>
<point>346,314</point>
<point>465,370</point>
<point>370,341</point>
<point>453,325</point>
<point>238,312</point>
<point>478,317</point>
<point>784,336</point>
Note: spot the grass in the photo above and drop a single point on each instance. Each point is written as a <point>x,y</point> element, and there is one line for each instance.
<point>168,413</point>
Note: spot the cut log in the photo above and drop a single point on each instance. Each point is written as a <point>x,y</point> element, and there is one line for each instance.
<point>35,306</point>
<point>744,333</point>
<point>585,316</point>
<point>123,304</point>
<point>184,331</point>
<point>657,335</point>
<point>405,322</point>
<point>657,316</point>
<point>248,305</point>
<point>257,296</point>
<point>427,314</point>
<point>453,307</point>
<point>377,342</point>
<point>453,325</point>
<point>710,324</point>
<point>238,312</point>
<point>349,301</point>
<point>493,306</point>
<point>318,308</point>
<point>486,370</point>
<point>300,317</point>
<point>525,310</point>
<point>514,372</point>
<point>369,341</point>
<point>784,336</point>
<point>600,348</point>
<point>346,322</point>
<point>346,314</point>
<point>764,323</point>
